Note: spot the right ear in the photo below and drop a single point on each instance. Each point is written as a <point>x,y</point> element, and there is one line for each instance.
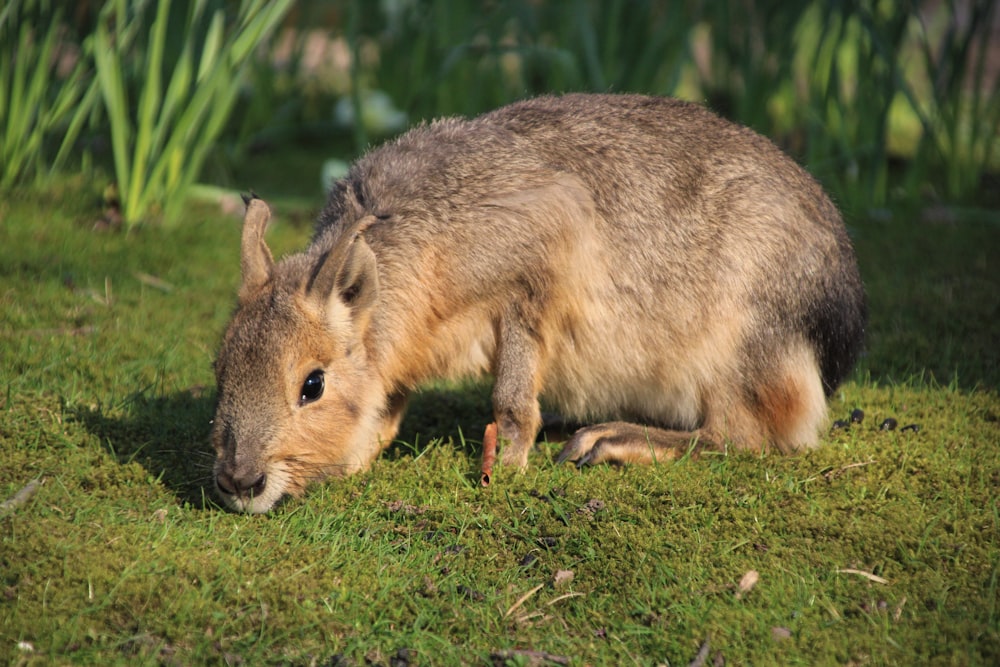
<point>256,261</point>
<point>349,271</point>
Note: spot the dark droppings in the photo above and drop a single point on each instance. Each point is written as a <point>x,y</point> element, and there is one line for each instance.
<point>858,415</point>
<point>548,542</point>
<point>470,594</point>
<point>528,560</point>
<point>403,658</point>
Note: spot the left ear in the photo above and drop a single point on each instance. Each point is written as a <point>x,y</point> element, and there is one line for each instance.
<point>256,262</point>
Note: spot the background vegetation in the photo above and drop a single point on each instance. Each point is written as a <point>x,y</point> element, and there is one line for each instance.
<point>883,547</point>
<point>888,102</point>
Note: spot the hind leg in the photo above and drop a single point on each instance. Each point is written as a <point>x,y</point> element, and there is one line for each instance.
<point>725,423</point>
<point>622,442</point>
<point>785,410</point>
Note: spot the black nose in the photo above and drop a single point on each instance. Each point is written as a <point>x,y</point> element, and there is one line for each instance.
<point>251,484</point>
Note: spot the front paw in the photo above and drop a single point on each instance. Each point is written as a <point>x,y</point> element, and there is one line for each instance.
<point>512,456</point>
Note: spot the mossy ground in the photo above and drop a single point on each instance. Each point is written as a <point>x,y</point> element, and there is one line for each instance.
<point>878,548</point>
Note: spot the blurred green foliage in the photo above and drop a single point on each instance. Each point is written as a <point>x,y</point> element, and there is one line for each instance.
<point>167,74</point>
<point>187,59</point>
<point>888,102</point>
<point>44,90</point>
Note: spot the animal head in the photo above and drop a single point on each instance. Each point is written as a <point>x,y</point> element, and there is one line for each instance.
<point>298,398</point>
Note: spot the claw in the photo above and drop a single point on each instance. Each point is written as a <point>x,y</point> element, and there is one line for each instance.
<point>580,448</point>
<point>566,454</point>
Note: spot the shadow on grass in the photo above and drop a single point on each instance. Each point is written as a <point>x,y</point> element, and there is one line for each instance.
<point>443,415</point>
<point>169,435</point>
<point>933,313</point>
<point>166,435</point>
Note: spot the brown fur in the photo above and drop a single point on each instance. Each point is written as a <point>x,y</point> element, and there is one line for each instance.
<point>623,257</point>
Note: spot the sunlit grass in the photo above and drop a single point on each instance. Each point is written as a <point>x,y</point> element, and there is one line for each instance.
<point>880,547</point>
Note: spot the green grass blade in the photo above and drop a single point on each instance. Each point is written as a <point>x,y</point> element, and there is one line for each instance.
<point>177,94</point>
<point>259,23</point>
<point>212,47</point>
<point>140,190</point>
<point>109,77</point>
<point>20,109</point>
<point>83,110</point>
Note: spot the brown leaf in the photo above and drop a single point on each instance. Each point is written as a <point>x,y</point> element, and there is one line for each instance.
<point>562,577</point>
<point>748,581</point>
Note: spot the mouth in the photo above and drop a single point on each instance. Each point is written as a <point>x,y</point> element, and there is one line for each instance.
<point>281,478</point>
<point>257,496</point>
<point>247,505</point>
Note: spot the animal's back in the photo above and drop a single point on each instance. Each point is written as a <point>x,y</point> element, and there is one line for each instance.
<point>697,242</point>
<point>682,191</point>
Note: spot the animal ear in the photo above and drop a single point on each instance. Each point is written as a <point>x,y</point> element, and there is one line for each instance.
<point>256,261</point>
<point>349,271</point>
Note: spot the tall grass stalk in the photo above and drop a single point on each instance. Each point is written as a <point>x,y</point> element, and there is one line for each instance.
<point>188,77</point>
<point>38,103</point>
<point>847,63</point>
<point>956,97</point>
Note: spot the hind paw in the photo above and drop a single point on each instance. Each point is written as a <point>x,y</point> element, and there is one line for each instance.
<point>601,443</point>
<point>620,443</point>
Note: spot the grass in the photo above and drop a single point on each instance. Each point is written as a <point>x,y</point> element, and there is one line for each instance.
<point>879,548</point>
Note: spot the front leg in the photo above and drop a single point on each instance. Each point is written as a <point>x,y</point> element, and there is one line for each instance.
<point>515,394</point>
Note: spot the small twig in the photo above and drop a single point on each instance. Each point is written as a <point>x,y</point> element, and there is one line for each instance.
<point>20,498</point>
<point>830,475</point>
<point>521,600</point>
<point>489,453</point>
<point>702,657</point>
<point>533,657</point>
<point>867,575</point>
<point>524,618</point>
<point>899,610</point>
<point>521,620</point>
<point>153,281</point>
<point>562,597</point>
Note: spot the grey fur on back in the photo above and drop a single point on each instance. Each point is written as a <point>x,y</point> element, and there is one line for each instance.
<point>689,193</point>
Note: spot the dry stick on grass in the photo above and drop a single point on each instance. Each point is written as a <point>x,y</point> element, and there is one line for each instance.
<point>489,453</point>
<point>565,596</point>
<point>521,600</point>
<point>861,573</point>
<point>152,281</point>
<point>524,618</point>
<point>831,475</point>
<point>20,498</point>
<point>533,657</point>
<point>702,657</point>
<point>899,609</point>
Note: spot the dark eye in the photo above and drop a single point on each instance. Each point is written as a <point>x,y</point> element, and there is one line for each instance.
<point>312,388</point>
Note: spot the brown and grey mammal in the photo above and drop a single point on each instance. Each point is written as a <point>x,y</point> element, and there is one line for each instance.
<point>620,256</point>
